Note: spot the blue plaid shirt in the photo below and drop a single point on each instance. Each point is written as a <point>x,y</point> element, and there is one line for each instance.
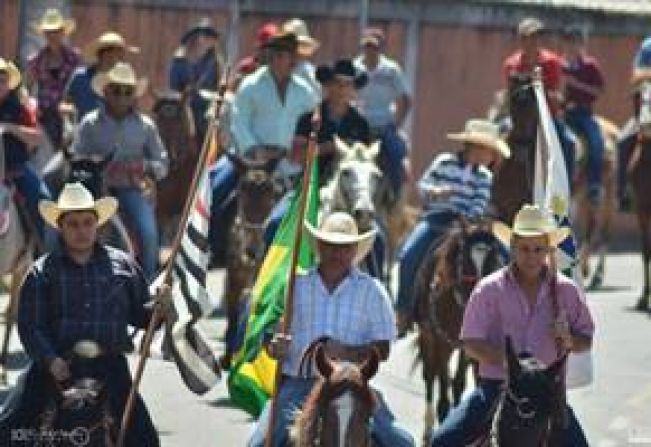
<point>357,312</point>
<point>62,302</point>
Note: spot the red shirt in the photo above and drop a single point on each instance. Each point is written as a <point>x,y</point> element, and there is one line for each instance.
<point>552,71</point>
<point>586,70</point>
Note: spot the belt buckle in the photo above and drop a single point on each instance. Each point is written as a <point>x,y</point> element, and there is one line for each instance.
<point>87,349</point>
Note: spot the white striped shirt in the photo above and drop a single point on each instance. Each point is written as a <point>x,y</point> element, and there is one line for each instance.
<point>357,312</point>
<point>471,186</point>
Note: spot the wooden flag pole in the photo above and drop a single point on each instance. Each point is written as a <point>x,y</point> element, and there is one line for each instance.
<point>157,316</point>
<point>286,322</point>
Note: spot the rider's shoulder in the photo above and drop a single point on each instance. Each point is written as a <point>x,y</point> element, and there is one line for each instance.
<point>493,283</point>
<point>445,158</point>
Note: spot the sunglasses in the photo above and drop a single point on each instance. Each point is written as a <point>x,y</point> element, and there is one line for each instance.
<point>121,90</point>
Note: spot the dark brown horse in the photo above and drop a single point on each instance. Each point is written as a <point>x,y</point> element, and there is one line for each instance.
<point>443,285</point>
<point>257,192</point>
<point>173,117</point>
<point>639,168</point>
<point>338,409</point>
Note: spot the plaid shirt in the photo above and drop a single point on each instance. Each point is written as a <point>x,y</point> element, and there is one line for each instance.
<point>358,312</point>
<point>51,82</point>
<point>62,302</point>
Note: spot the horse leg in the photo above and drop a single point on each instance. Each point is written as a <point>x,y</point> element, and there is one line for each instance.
<point>10,319</point>
<point>425,346</point>
<point>443,405</point>
<point>459,380</point>
<point>643,221</point>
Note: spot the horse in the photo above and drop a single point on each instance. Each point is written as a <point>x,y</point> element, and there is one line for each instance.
<point>595,222</point>
<point>443,286</point>
<point>531,409</point>
<point>256,194</point>
<point>514,177</point>
<point>354,188</point>
<point>175,122</point>
<point>638,170</point>
<point>337,411</point>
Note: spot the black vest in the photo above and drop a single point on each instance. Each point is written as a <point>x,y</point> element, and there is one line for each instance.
<point>16,153</point>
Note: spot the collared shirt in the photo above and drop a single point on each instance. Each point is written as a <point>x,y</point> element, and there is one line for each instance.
<point>385,85</point>
<point>259,117</point>
<point>307,72</point>
<point>357,312</point>
<point>81,92</point>
<point>471,186</point>
<point>62,302</point>
<point>133,140</point>
<point>586,70</point>
<point>552,70</point>
<point>499,307</point>
<point>51,81</point>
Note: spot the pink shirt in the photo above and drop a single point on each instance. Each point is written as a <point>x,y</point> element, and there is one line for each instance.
<point>498,307</point>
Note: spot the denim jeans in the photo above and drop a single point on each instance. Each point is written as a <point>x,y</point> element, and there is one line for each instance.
<point>142,220</point>
<point>33,189</point>
<point>292,394</point>
<point>472,417</point>
<point>625,145</point>
<point>582,121</point>
<point>392,153</point>
<point>429,229</point>
<point>568,145</point>
<point>223,180</point>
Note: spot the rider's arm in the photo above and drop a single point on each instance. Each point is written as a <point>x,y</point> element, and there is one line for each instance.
<point>483,351</point>
<point>241,119</point>
<point>403,105</point>
<point>27,130</point>
<point>157,162</point>
<point>139,311</point>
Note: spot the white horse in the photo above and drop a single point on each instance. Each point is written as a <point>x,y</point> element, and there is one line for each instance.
<point>16,253</point>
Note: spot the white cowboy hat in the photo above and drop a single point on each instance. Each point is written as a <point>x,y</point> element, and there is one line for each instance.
<point>53,20</point>
<point>12,72</point>
<point>307,44</point>
<point>122,73</point>
<point>107,40</point>
<point>75,197</point>
<point>484,133</point>
<point>339,228</point>
<point>531,221</point>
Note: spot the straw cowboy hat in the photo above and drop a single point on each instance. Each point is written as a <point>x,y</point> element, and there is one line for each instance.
<point>531,221</point>
<point>339,228</point>
<point>107,40</point>
<point>12,72</point>
<point>307,44</point>
<point>484,133</point>
<point>122,73</point>
<point>343,68</point>
<point>75,197</point>
<point>52,21</point>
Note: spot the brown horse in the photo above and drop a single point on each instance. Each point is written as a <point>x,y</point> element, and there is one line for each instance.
<point>593,221</point>
<point>338,409</point>
<point>639,167</point>
<point>443,285</point>
<point>173,117</point>
<point>257,192</point>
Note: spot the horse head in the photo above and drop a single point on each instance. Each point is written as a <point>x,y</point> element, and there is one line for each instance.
<point>533,403</point>
<point>176,125</point>
<point>523,108</point>
<point>356,180</point>
<point>337,410</point>
<point>89,170</point>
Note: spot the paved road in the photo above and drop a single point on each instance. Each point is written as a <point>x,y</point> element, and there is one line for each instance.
<point>615,411</point>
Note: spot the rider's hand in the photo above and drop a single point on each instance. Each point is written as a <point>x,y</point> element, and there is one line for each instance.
<point>279,345</point>
<point>163,298</point>
<point>59,369</point>
<point>561,331</point>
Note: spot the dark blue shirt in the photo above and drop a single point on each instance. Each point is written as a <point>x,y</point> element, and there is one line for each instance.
<point>62,302</point>
<point>81,92</point>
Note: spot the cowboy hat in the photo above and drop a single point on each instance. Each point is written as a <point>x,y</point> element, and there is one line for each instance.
<point>283,41</point>
<point>122,73</point>
<point>75,197</point>
<point>339,228</point>
<point>203,27</point>
<point>307,44</point>
<point>342,68</point>
<point>531,221</point>
<point>107,40</point>
<point>12,72</point>
<point>484,133</point>
<point>52,21</point>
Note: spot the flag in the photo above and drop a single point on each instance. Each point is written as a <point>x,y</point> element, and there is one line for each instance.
<point>250,382</point>
<point>197,365</point>
<point>551,183</point>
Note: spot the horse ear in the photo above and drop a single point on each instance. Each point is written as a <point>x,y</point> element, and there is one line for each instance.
<point>370,366</point>
<point>374,149</point>
<point>341,146</point>
<point>323,363</point>
<point>554,371</point>
<point>512,361</point>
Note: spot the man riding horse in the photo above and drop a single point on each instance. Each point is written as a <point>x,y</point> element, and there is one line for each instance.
<point>455,185</point>
<point>543,312</point>
<point>338,301</point>
<point>79,299</point>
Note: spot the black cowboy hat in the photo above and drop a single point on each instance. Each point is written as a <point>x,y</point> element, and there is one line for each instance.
<point>283,41</point>
<point>203,27</point>
<point>343,68</point>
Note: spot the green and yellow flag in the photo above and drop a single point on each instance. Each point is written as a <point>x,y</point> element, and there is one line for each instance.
<point>250,382</point>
